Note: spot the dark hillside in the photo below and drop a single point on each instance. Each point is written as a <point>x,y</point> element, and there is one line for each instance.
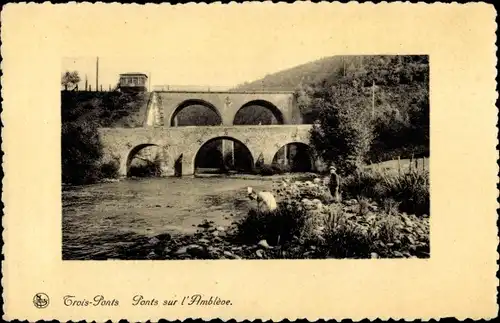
<point>396,89</point>
<point>106,109</point>
<point>291,79</point>
<point>82,113</point>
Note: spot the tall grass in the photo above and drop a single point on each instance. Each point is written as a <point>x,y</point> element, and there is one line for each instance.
<point>343,238</point>
<point>384,235</point>
<point>409,189</point>
<point>278,226</point>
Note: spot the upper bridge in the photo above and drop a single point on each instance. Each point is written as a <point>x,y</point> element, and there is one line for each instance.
<point>226,107</point>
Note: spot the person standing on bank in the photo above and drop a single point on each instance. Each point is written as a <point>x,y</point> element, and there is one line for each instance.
<point>334,184</point>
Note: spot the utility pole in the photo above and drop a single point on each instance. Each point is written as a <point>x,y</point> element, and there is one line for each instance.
<point>86,82</point>
<point>97,74</point>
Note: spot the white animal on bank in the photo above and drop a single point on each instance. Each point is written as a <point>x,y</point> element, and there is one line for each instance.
<point>265,200</point>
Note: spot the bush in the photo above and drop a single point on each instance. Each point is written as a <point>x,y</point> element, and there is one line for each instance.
<point>410,190</point>
<point>401,235</point>
<point>362,183</point>
<point>264,170</point>
<point>269,170</point>
<point>109,169</point>
<point>343,238</point>
<point>379,235</point>
<point>278,226</point>
<point>145,170</point>
<point>344,131</point>
<point>280,168</point>
<point>81,151</point>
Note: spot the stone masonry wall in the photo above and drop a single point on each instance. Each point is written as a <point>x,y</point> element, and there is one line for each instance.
<point>186,141</point>
<point>227,104</point>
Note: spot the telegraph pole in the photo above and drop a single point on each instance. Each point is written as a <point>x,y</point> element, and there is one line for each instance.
<point>97,74</point>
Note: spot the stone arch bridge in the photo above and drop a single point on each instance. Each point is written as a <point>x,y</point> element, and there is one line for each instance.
<point>165,105</point>
<point>180,145</point>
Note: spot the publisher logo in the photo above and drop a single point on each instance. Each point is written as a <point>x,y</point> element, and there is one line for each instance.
<point>41,300</point>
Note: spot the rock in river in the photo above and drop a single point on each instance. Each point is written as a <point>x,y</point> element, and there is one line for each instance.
<point>260,253</point>
<point>196,250</point>
<point>264,244</point>
<point>153,241</point>
<point>231,255</point>
<point>203,241</point>
<point>192,249</point>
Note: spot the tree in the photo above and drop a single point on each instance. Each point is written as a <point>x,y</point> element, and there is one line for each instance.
<point>395,87</point>
<point>304,95</point>
<point>343,132</point>
<point>70,79</point>
<point>81,151</point>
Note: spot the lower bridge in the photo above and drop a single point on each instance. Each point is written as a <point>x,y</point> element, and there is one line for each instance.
<point>182,149</point>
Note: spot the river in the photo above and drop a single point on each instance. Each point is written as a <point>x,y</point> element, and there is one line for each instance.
<point>100,220</point>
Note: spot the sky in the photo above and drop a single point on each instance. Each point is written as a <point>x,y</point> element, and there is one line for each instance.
<point>225,45</point>
<point>200,70</point>
<point>217,46</point>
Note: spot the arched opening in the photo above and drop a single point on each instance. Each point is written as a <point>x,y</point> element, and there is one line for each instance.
<point>295,157</point>
<point>223,155</point>
<point>258,112</point>
<point>147,160</point>
<point>195,113</point>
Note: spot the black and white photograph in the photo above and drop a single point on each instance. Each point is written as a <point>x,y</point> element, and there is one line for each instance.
<point>327,159</point>
<point>249,161</point>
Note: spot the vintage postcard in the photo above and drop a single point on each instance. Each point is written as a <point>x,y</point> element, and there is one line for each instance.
<point>249,161</point>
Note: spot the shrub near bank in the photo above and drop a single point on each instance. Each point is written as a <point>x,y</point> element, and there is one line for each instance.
<point>81,151</point>
<point>410,189</point>
<point>273,169</point>
<point>81,155</point>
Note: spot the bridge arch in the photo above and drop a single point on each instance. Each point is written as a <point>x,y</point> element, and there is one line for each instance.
<point>258,112</point>
<point>190,109</point>
<point>296,157</point>
<point>223,154</point>
<point>153,158</point>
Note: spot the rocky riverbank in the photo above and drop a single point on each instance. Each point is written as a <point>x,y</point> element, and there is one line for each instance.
<point>409,240</point>
<point>209,242</point>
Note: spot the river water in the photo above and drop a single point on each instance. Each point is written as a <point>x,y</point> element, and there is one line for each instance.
<point>100,220</point>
